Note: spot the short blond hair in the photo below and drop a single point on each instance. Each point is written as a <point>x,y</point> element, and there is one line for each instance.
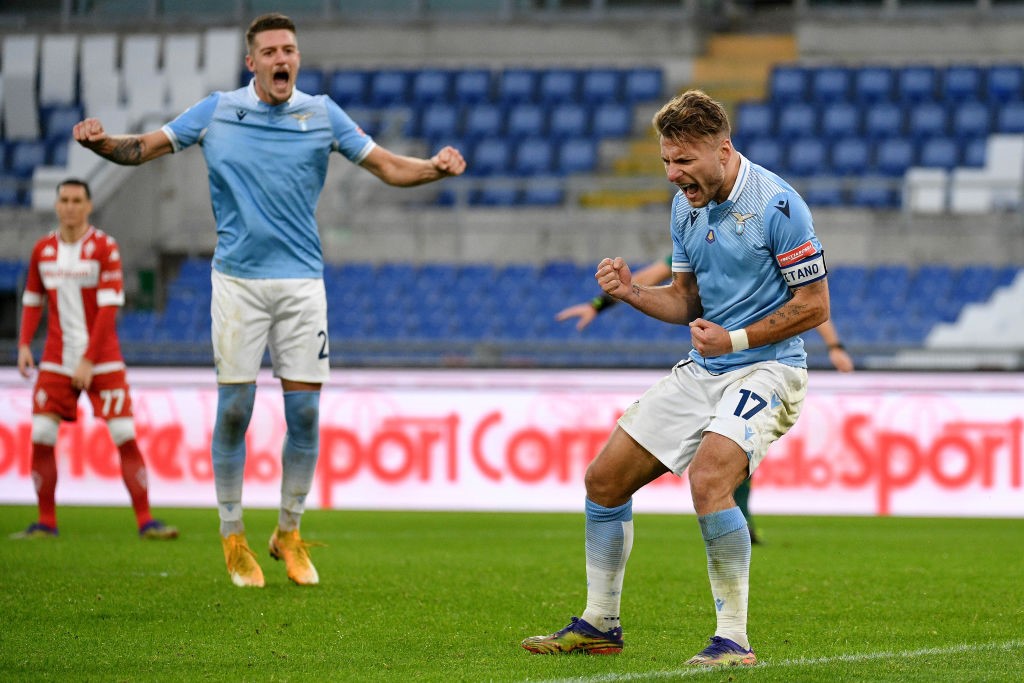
<point>692,115</point>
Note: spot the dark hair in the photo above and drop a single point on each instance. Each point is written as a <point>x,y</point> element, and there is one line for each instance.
<point>693,115</point>
<point>75,181</point>
<point>267,22</point>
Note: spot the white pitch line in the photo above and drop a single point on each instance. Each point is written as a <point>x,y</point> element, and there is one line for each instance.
<point>691,671</point>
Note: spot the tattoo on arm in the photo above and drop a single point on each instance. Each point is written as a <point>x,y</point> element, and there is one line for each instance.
<point>127,151</point>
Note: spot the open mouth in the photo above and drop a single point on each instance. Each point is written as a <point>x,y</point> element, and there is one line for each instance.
<point>281,77</point>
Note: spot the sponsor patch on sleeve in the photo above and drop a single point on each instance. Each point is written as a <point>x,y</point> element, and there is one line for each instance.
<point>793,255</point>
<point>805,272</point>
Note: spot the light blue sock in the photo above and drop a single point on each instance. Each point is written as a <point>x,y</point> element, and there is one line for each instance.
<point>609,539</point>
<point>299,455</point>
<point>727,541</point>
<point>234,409</point>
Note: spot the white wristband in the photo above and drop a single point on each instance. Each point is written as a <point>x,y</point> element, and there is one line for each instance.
<point>739,340</point>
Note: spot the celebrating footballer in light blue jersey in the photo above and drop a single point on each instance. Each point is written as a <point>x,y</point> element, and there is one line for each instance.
<point>266,148</point>
<point>748,277</point>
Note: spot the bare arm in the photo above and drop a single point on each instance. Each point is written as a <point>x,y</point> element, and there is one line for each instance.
<point>808,308</point>
<point>837,354</point>
<point>402,171</point>
<point>127,150</point>
<point>585,312</point>
<point>677,302</point>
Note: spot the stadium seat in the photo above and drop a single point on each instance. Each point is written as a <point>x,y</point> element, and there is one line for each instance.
<point>870,193</point>
<point>497,195</point>
<point>807,157</point>
<point>491,156</point>
<point>788,84</point>
<point>430,85</point>
<point>310,81</point>
<point>534,156</point>
<point>525,120</point>
<point>971,119</point>
<point>974,152</point>
<point>797,119</point>
<point>822,192</point>
<point>612,121</point>
<point>916,83</point>
<point>439,120</point>
<point>577,155</point>
<point>927,119</point>
<point>883,120</point>
<point>471,86</point>
<point>830,84</point>
<point>517,86</point>
<point>894,156</point>
<point>389,88</point>
<point>24,156</point>
<point>568,120</point>
<point>840,119</point>
<point>939,152</point>
<point>642,84</point>
<point>766,152</point>
<point>58,122</point>
<point>542,192</point>
<point>10,190</point>
<point>1010,118</point>
<point>483,120</point>
<point>600,85</point>
<point>349,87</point>
<point>851,156</point>
<point>873,84</point>
<point>558,85</point>
<point>58,70</point>
<point>961,83</point>
<point>57,152</point>
<point>1005,83</point>
<point>755,118</point>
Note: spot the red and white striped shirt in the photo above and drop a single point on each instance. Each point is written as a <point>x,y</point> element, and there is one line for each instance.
<point>83,286</point>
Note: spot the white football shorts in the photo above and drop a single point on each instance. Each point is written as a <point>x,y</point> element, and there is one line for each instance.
<point>753,406</point>
<point>287,314</point>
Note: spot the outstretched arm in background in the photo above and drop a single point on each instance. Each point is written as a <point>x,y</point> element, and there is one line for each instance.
<point>836,351</point>
<point>654,274</point>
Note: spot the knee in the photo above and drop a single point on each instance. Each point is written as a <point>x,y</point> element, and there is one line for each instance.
<point>234,409</point>
<point>602,489</point>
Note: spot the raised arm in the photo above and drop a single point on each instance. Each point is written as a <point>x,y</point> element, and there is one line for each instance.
<point>403,171</point>
<point>127,150</point>
<point>585,312</point>
<point>676,302</point>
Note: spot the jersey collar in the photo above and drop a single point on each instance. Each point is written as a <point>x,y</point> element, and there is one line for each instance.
<point>716,211</point>
<point>255,99</point>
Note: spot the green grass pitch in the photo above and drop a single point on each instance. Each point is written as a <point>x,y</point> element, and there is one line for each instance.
<point>448,597</point>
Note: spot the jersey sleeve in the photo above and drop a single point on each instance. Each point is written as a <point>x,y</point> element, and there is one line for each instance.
<point>789,230</point>
<point>188,128</point>
<point>110,291</point>
<point>348,138</point>
<point>34,295</point>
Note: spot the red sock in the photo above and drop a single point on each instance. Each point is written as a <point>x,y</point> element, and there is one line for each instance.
<point>133,470</point>
<point>44,476</point>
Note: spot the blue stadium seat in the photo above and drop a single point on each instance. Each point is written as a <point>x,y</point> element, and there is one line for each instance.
<point>57,152</point>
<point>483,120</point>
<point>822,192</point>
<point>765,151</point>
<point>755,118</point>
<point>971,119</point>
<point>534,156</point>
<point>568,120</point>
<point>975,152</point>
<point>807,157</point>
<point>525,120</point>
<point>600,85</point>
<point>542,192</point>
<point>23,157</point>
<point>431,85</point>
<point>869,193</point>
<point>498,195</point>
<point>830,84</point>
<point>642,84</point>
<point>797,119</point>
<point>916,83</point>
<point>349,87</point>
<point>839,119</point>
<point>788,84</point>
<point>939,152</point>
<point>873,84</point>
<point>491,156</point>
<point>439,120</point>
<point>517,85</point>
<point>1005,82</point>
<point>926,120</point>
<point>58,122</point>
<point>851,156</point>
<point>310,81</point>
<point>893,156</point>
<point>558,85</point>
<point>10,191</point>
<point>883,120</point>
<point>1010,118</point>
<point>471,86</point>
<point>389,88</point>
<point>612,120</point>
<point>961,82</point>
<point>577,155</point>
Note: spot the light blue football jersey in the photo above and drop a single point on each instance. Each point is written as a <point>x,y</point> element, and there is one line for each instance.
<point>746,253</point>
<point>267,166</point>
